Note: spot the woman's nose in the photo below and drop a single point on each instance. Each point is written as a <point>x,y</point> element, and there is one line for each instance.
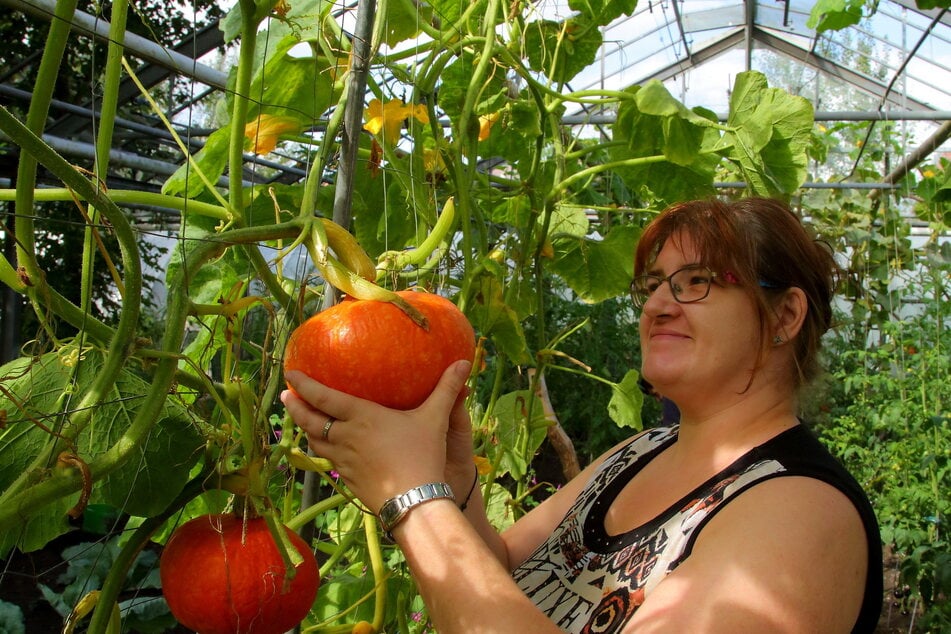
<point>660,301</point>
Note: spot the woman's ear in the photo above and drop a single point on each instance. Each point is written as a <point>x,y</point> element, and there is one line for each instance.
<point>790,314</point>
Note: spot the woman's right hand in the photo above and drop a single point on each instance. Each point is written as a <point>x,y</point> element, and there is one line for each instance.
<point>379,452</point>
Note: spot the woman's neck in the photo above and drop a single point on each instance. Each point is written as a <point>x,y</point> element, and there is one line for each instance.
<point>722,431</point>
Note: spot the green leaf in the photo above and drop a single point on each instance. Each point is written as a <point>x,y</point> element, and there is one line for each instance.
<point>653,124</point>
<point>230,25</point>
<point>523,118</point>
<point>38,529</point>
<point>597,269</point>
<point>144,484</point>
<point>568,220</point>
<point>447,11</point>
<point>381,221</point>
<point>211,160</point>
<point>289,85</point>
<point>401,20</point>
<point>833,15</point>
<point>654,99</point>
<point>563,49</point>
<point>514,135</point>
<point>521,429</point>
<point>454,88</point>
<point>770,136</point>
<point>498,507</point>
<point>303,17</point>
<point>627,401</point>
<point>514,211</point>
<point>11,618</point>
<point>493,318</point>
<point>601,12</point>
<point>147,615</point>
<point>213,279</point>
<point>682,130</point>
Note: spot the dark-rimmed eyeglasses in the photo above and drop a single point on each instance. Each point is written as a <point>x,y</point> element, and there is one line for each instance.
<point>688,284</point>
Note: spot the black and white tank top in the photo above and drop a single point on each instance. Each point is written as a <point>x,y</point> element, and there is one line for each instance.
<point>588,581</point>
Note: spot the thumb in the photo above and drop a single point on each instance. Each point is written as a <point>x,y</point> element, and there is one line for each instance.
<point>450,385</point>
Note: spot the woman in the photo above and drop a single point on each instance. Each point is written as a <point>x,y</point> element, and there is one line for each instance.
<point>733,520</point>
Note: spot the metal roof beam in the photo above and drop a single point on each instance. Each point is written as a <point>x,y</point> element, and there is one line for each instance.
<point>858,80</point>
<point>821,115</point>
<point>200,43</point>
<point>698,57</point>
<point>750,6</point>
<point>931,13</point>
<point>141,47</point>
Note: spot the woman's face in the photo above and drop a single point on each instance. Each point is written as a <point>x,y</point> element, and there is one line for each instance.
<point>699,350</point>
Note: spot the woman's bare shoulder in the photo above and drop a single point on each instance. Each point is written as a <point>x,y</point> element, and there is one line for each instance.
<point>787,555</point>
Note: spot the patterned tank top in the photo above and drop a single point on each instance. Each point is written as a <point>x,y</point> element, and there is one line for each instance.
<point>588,581</point>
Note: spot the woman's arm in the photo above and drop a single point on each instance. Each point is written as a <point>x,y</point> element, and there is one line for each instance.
<point>459,561</point>
<point>788,555</point>
<point>465,588</point>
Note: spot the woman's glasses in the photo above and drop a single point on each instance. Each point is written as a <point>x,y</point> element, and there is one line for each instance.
<point>689,284</point>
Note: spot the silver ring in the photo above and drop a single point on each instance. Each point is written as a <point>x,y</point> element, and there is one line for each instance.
<point>330,421</point>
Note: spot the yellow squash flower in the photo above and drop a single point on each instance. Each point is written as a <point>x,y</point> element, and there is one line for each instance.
<point>483,464</point>
<point>486,121</point>
<point>389,117</point>
<point>433,162</point>
<point>265,131</point>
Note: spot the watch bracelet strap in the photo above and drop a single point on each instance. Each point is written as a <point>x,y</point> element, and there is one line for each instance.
<point>395,509</point>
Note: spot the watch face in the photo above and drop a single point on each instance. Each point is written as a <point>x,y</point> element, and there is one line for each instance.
<point>389,513</point>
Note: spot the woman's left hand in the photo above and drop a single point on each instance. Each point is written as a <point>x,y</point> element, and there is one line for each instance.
<point>379,452</point>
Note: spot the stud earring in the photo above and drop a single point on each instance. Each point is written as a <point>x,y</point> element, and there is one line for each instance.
<point>777,340</point>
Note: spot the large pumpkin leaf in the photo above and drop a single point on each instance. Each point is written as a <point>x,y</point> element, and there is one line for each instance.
<point>153,473</point>
<point>304,18</point>
<point>597,269</point>
<point>295,86</point>
<point>447,11</point>
<point>568,220</point>
<point>832,15</point>
<point>769,136</point>
<point>563,49</point>
<point>681,131</point>
<point>601,12</point>
<point>21,440</point>
<point>402,19</point>
<point>653,124</point>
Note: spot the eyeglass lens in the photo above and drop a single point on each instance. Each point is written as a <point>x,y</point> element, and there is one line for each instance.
<point>689,284</point>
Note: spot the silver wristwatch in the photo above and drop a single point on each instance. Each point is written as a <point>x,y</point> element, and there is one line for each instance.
<point>395,509</point>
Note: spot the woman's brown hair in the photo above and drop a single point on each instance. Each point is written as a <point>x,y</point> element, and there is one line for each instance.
<point>766,248</point>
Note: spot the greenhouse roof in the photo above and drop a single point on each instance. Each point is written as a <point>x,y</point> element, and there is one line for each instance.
<point>910,51</point>
<point>696,47</point>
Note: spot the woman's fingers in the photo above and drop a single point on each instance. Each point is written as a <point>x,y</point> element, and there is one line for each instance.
<point>367,442</point>
<point>447,394</point>
<point>318,395</point>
